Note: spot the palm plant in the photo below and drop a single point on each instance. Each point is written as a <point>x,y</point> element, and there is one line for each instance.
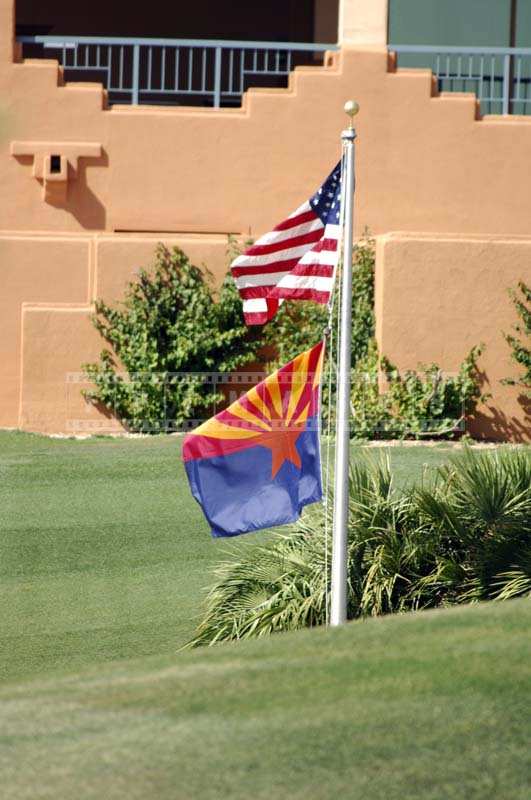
<point>273,587</point>
<point>481,509</point>
<point>464,537</point>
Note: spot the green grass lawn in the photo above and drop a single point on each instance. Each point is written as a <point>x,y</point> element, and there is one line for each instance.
<point>104,554</point>
<point>426,706</point>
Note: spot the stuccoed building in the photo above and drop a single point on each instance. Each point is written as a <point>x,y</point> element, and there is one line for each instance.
<point>119,129</point>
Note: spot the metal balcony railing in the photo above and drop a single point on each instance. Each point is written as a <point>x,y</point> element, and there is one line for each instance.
<point>499,76</point>
<point>176,71</point>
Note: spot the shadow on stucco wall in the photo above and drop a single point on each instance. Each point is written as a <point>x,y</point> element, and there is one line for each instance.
<point>81,201</point>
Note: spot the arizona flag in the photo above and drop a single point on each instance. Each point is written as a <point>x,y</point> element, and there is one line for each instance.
<point>257,464</point>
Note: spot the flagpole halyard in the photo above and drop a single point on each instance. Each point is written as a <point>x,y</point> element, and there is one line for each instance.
<point>338,600</point>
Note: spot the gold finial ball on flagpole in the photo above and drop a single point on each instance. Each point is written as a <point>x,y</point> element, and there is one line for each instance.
<point>351,108</point>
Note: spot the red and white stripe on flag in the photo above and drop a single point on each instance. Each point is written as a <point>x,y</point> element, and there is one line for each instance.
<point>295,261</point>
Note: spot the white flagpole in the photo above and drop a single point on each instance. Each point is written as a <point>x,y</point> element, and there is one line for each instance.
<point>338,603</point>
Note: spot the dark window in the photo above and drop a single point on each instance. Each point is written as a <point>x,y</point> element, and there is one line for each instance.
<point>55,163</point>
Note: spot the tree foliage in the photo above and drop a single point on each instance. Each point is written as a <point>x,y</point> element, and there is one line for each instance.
<point>413,403</point>
<point>520,339</point>
<point>169,329</point>
<point>172,328</point>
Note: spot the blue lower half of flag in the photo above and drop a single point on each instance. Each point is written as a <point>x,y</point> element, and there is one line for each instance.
<point>238,493</point>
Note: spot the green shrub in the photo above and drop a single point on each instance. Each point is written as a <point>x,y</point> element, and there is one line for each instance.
<point>167,325</point>
<point>413,403</point>
<point>480,513</point>
<point>429,403</point>
<point>520,340</point>
<point>171,327</point>
<point>465,537</point>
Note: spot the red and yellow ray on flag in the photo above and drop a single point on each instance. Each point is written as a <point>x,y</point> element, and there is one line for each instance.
<point>272,414</point>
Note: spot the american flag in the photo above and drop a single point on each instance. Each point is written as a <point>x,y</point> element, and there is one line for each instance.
<point>296,260</point>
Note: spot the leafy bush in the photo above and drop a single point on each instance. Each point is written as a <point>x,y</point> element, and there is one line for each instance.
<point>428,402</point>
<point>413,403</point>
<point>520,340</point>
<point>466,537</point>
<point>169,329</point>
<point>168,323</point>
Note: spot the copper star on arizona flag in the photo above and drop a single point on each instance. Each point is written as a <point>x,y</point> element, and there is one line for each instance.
<point>256,464</point>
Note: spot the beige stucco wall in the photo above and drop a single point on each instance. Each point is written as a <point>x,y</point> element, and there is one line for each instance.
<point>363,23</point>
<point>439,296</point>
<point>424,162</point>
<point>54,269</point>
<point>436,297</point>
<point>49,284</point>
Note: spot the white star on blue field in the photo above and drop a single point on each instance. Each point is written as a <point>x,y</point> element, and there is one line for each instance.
<point>326,202</point>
